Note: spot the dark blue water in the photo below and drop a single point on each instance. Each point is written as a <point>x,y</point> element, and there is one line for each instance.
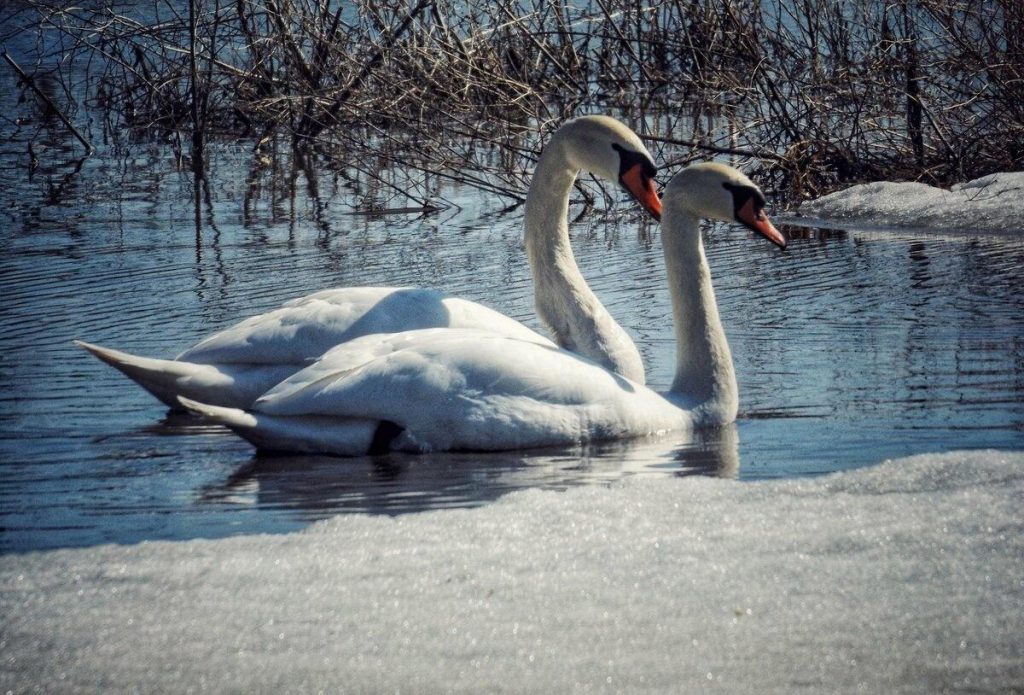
<point>851,347</point>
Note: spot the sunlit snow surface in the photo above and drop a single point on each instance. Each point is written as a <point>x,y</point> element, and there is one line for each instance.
<point>994,202</point>
<point>903,577</point>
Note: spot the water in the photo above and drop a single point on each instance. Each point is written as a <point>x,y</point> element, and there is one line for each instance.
<point>851,347</point>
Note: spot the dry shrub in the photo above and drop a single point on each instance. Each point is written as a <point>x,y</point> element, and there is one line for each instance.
<point>815,94</point>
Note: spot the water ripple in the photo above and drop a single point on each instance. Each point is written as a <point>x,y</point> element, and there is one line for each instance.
<point>850,347</point>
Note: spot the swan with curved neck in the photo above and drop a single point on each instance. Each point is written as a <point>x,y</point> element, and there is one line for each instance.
<point>438,389</point>
<point>564,301</point>
<point>233,367</point>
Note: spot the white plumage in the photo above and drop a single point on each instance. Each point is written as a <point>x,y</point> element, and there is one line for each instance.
<point>447,388</point>
<point>233,367</point>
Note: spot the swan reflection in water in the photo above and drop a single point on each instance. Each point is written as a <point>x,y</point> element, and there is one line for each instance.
<point>315,487</point>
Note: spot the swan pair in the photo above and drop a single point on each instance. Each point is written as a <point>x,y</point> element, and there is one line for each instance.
<point>415,370</point>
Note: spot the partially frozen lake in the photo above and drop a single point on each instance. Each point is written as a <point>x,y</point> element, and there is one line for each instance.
<point>145,552</point>
<point>851,347</point>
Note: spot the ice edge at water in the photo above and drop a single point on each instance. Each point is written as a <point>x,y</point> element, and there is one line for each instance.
<point>992,203</point>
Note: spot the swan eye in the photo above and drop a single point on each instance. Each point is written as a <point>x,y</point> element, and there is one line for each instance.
<point>742,194</point>
<point>630,158</point>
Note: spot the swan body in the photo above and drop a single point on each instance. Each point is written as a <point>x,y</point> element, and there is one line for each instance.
<point>447,388</point>
<point>444,388</point>
<point>233,367</point>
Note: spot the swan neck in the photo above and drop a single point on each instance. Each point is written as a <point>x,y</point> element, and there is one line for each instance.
<point>563,299</point>
<point>705,380</point>
<point>547,210</point>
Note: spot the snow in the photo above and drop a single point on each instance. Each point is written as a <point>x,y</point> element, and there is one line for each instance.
<point>994,202</point>
<point>903,577</point>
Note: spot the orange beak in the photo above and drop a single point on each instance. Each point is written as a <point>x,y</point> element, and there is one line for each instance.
<point>641,187</point>
<point>755,219</point>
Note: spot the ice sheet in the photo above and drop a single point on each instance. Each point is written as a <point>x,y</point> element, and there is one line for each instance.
<point>904,577</point>
<point>994,202</point>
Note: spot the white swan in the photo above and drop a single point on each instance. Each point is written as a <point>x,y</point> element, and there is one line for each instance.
<point>234,366</point>
<point>447,388</point>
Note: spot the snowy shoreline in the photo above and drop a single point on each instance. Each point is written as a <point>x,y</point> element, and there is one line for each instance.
<point>902,577</point>
<point>990,203</point>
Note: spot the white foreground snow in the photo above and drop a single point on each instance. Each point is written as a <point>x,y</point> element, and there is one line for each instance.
<point>904,577</point>
<point>994,202</point>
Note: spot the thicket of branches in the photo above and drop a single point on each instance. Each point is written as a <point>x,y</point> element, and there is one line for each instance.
<point>817,93</point>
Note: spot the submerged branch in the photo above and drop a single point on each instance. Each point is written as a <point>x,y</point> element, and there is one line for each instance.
<point>49,103</point>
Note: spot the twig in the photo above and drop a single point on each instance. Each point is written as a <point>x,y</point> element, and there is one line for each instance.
<point>739,152</point>
<point>49,102</point>
<point>368,67</point>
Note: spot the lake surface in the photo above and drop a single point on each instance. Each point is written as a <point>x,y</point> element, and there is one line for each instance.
<point>851,347</point>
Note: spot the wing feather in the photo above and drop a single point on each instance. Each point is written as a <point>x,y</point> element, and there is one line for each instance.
<point>305,328</point>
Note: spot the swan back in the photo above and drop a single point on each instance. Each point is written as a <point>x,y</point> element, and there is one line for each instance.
<point>453,388</point>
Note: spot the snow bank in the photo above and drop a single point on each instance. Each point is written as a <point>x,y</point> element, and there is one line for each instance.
<point>905,577</point>
<point>994,202</point>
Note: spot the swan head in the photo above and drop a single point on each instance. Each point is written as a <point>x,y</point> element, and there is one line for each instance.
<point>715,191</point>
<point>608,149</point>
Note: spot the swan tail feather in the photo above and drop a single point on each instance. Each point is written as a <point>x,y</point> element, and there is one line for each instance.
<point>157,376</point>
<point>165,379</point>
<point>168,379</point>
<point>295,433</point>
<point>232,418</point>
